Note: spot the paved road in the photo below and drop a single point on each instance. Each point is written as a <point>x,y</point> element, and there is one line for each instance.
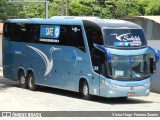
<point>14,98</point>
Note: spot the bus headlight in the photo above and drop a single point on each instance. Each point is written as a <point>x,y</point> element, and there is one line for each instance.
<point>148,91</point>
<point>106,83</point>
<point>147,84</point>
<point>111,92</point>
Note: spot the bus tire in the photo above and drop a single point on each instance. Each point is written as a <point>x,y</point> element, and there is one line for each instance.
<point>22,80</point>
<point>85,91</point>
<point>31,82</point>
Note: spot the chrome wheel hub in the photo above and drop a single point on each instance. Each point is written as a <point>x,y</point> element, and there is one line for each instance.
<point>85,90</point>
<point>22,79</point>
<point>31,82</point>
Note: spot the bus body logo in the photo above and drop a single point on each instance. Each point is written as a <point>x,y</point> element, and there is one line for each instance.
<point>48,61</point>
<point>57,32</point>
<point>49,31</point>
<point>75,29</point>
<point>120,37</point>
<point>127,40</point>
<point>125,37</point>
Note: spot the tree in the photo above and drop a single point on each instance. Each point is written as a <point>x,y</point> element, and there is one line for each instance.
<point>122,8</point>
<point>100,8</point>
<point>2,10</point>
<point>79,9</point>
<point>90,8</point>
<point>55,8</point>
<point>142,5</point>
<point>153,8</point>
<point>32,11</point>
<point>9,11</point>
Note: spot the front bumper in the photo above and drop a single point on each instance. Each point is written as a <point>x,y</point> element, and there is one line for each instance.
<point>127,91</point>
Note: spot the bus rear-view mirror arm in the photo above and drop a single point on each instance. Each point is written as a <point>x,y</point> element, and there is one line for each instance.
<point>103,49</point>
<point>155,53</point>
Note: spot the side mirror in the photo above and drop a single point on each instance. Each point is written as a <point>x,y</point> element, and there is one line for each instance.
<point>155,53</point>
<point>152,65</point>
<point>103,49</point>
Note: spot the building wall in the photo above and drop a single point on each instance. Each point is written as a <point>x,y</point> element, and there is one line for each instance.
<point>0,50</point>
<point>150,27</point>
<point>155,80</point>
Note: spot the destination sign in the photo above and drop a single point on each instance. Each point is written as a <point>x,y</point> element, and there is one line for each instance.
<point>124,37</point>
<point>49,31</point>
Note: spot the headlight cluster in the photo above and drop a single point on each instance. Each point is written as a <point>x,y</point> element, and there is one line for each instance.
<point>147,84</point>
<point>115,86</point>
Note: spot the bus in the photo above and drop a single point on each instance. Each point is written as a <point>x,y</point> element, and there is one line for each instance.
<point>89,55</point>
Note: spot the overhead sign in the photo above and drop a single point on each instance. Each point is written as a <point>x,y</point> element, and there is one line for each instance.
<point>49,31</point>
<point>125,37</point>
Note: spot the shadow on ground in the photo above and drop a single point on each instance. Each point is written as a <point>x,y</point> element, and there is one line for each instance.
<point>112,101</point>
<point>5,84</point>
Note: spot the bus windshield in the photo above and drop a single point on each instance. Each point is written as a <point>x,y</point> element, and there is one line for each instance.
<point>129,67</point>
<point>124,37</point>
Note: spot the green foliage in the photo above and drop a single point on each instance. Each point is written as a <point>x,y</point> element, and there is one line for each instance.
<point>79,9</point>
<point>100,8</point>
<point>153,8</point>
<point>31,11</point>
<point>2,10</point>
<point>9,11</point>
<point>55,8</point>
<point>90,8</point>
<point>122,8</point>
<point>142,5</point>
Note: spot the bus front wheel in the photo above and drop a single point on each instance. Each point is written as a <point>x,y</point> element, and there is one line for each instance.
<point>22,80</point>
<point>85,91</point>
<point>31,82</point>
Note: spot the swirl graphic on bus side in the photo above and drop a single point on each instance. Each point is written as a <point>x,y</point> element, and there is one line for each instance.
<point>48,61</point>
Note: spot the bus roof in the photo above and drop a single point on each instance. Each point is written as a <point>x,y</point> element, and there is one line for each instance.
<point>112,23</point>
<point>77,20</point>
<point>46,21</point>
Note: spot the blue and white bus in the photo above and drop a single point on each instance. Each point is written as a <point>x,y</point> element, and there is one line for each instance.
<point>93,56</point>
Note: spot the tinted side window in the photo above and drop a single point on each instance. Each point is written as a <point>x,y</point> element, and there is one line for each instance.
<point>64,35</point>
<point>6,30</point>
<point>94,35</point>
<point>21,32</point>
<point>76,37</point>
<point>33,33</point>
<point>29,33</point>
<point>9,31</point>
<point>71,35</point>
<point>67,35</point>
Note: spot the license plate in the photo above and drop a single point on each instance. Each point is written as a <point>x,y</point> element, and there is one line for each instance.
<point>131,93</point>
